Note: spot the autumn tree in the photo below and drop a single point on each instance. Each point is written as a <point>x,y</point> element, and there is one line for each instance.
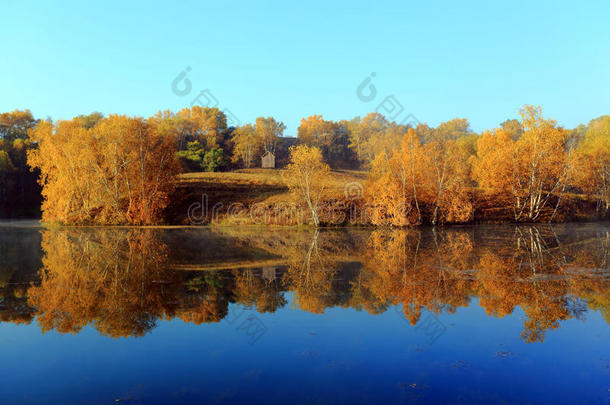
<point>307,176</point>
<point>314,131</point>
<point>493,164</point>
<point>592,161</point>
<point>424,132</point>
<point>448,173</point>
<point>368,137</point>
<point>396,184</point>
<point>120,171</point>
<point>541,168</point>
<point>332,138</point>
<point>247,146</point>
<point>204,124</point>
<point>268,130</point>
<point>434,174</point>
<point>450,130</point>
<point>532,170</point>
<point>388,141</point>
<point>177,126</point>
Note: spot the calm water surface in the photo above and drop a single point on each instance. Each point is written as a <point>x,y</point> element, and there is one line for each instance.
<point>477,314</point>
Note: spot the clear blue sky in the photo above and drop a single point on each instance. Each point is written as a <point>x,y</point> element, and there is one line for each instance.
<point>479,60</point>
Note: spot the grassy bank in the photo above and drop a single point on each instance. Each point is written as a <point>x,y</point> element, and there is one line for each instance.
<point>260,196</point>
<point>228,193</point>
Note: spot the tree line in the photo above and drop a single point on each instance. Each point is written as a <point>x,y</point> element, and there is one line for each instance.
<point>117,169</point>
<point>19,190</point>
<point>529,165</point>
<point>525,169</point>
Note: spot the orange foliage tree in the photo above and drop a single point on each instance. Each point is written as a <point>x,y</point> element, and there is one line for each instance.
<point>373,135</point>
<point>246,145</point>
<point>531,169</point>
<point>315,131</point>
<point>204,124</point>
<point>592,162</point>
<point>434,174</point>
<point>448,174</point>
<point>307,177</point>
<point>120,171</point>
<point>396,184</point>
<point>268,130</point>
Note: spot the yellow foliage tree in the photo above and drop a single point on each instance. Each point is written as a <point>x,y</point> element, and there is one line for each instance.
<point>268,130</point>
<point>246,145</point>
<point>531,170</point>
<point>307,176</point>
<point>592,162</point>
<point>373,135</point>
<point>121,171</point>
<point>434,174</point>
<point>395,186</point>
<point>448,173</point>
<point>315,131</point>
<point>204,124</point>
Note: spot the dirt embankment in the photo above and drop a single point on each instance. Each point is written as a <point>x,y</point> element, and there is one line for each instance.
<point>260,196</point>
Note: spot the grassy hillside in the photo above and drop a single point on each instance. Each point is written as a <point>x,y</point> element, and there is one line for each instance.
<point>247,187</point>
<point>259,196</point>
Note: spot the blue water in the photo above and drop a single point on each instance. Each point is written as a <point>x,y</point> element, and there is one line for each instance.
<point>342,355</point>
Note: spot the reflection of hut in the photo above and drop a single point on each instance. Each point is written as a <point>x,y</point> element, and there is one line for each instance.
<point>268,161</point>
<point>269,273</point>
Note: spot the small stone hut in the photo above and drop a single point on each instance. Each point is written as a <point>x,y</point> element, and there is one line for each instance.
<point>268,161</point>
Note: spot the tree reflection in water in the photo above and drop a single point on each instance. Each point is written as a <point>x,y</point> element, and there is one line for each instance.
<point>122,281</point>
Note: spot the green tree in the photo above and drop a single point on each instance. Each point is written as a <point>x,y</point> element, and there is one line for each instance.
<point>7,169</point>
<point>90,120</point>
<point>15,124</point>
<point>513,128</point>
<point>20,192</point>
<point>214,160</point>
<point>192,157</point>
<point>451,130</point>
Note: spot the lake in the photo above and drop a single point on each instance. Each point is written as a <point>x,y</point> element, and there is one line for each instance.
<point>472,314</point>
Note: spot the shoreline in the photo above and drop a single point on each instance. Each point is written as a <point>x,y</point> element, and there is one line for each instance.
<point>33,223</point>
